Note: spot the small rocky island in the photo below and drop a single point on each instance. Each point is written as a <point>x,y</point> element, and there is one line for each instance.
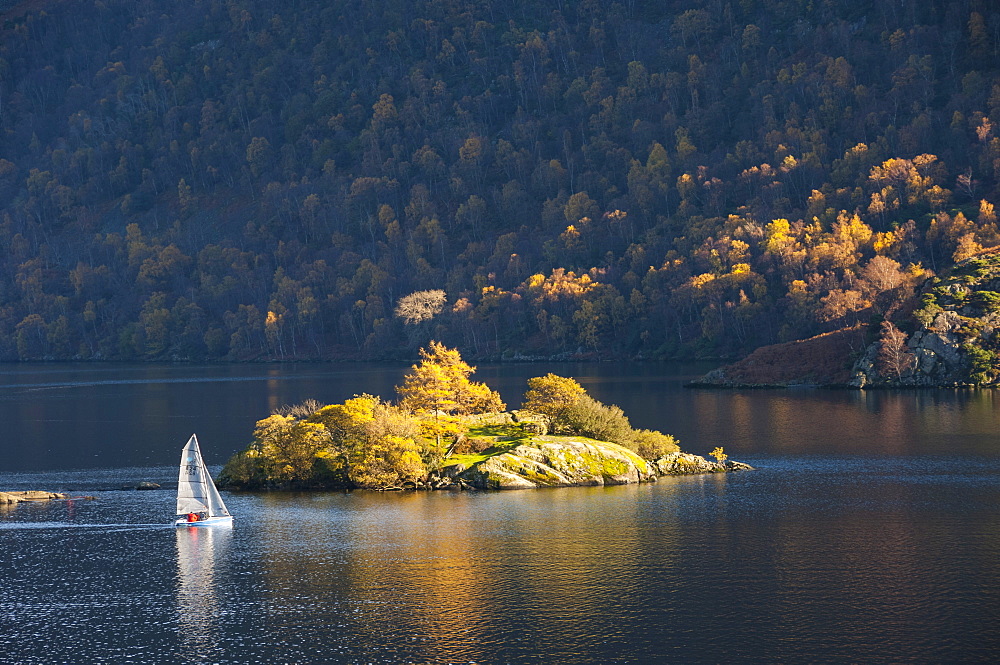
<point>447,432</point>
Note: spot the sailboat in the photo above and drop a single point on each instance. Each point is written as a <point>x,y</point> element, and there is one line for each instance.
<point>197,496</point>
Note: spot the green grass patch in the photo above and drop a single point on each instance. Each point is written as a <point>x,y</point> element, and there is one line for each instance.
<point>468,460</point>
<point>507,430</point>
<point>505,437</point>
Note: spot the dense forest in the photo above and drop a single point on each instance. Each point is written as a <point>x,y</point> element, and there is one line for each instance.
<point>251,179</point>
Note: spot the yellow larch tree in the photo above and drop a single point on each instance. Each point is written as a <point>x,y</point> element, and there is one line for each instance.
<point>439,386</point>
<point>440,383</point>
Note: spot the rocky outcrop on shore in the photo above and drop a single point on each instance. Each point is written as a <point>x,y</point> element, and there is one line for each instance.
<point>932,356</point>
<point>952,339</point>
<point>935,355</point>
<point>8,498</point>
<point>558,461</point>
<point>956,333</point>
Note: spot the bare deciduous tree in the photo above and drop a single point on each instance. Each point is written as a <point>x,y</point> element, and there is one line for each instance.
<point>894,358</point>
<point>303,410</point>
<point>420,305</point>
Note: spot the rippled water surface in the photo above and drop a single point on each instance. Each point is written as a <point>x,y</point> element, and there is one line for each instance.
<point>831,551</point>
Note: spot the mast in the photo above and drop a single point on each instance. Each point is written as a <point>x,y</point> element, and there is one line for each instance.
<point>195,490</point>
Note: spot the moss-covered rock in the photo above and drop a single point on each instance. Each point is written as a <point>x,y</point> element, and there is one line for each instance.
<point>563,461</point>
<point>551,461</point>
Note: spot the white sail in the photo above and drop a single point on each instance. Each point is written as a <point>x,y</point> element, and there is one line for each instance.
<point>196,493</point>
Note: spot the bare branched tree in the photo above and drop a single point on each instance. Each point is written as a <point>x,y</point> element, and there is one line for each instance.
<point>306,408</point>
<point>894,358</point>
<point>421,305</point>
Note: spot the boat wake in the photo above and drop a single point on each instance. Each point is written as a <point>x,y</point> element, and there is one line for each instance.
<point>15,526</point>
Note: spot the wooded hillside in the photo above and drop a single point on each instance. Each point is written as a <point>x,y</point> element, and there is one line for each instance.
<point>256,179</point>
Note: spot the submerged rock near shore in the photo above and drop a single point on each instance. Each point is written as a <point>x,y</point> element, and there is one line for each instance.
<point>562,461</point>
<point>30,495</point>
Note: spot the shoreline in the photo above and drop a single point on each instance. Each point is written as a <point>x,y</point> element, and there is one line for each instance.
<point>531,467</point>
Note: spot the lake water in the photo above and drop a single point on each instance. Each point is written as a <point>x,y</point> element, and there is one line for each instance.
<point>870,532</point>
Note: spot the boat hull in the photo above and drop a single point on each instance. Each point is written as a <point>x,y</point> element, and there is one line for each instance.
<point>222,520</point>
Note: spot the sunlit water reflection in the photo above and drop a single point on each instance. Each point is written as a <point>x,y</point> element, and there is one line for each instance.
<point>869,533</point>
<point>199,551</point>
<point>805,560</point>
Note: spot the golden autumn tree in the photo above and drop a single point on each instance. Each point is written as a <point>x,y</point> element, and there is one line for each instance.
<point>439,386</point>
<point>552,395</point>
<point>364,442</point>
<point>440,383</point>
<point>377,440</point>
<point>345,423</point>
<point>289,448</point>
